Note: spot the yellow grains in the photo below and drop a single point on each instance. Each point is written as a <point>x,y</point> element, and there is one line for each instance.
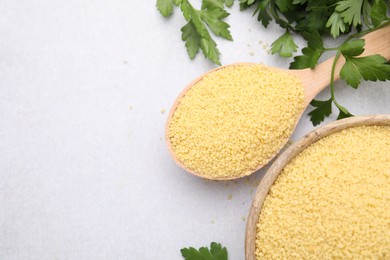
<point>331,201</point>
<point>235,119</point>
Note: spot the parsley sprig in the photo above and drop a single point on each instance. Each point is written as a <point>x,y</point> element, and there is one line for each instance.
<point>196,33</point>
<point>216,252</point>
<point>311,19</point>
<point>372,67</point>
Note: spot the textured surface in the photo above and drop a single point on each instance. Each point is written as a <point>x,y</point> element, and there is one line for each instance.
<point>84,168</point>
<point>331,200</point>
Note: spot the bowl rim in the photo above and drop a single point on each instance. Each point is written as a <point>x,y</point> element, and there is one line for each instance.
<point>285,157</point>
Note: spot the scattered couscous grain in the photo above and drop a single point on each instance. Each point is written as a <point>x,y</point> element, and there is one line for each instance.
<point>162,111</point>
<point>331,201</point>
<point>235,119</point>
<point>243,218</point>
<point>230,196</point>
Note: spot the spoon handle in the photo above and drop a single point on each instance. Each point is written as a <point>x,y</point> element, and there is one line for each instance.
<point>377,42</point>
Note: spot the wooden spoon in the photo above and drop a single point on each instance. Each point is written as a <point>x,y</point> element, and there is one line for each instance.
<point>273,172</point>
<point>313,81</point>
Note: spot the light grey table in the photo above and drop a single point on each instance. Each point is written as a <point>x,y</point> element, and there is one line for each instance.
<point>84,170</point>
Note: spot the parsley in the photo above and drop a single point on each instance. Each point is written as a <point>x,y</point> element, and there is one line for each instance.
<point>196,33</point>
<point>322,109</point>
<point>350,11</point>
<point>165,7</point>
<point>284,45</point>
<point>311,53</point>
<point>371,67</point>
<point>216,252</point>
<point>313,20</point>
<point>378,12</point>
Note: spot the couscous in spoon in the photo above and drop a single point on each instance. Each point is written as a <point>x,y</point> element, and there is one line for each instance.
<point>222,156</point>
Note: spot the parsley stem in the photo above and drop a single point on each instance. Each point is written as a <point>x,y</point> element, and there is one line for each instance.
<point>332,76</point>
<point>331,49</point>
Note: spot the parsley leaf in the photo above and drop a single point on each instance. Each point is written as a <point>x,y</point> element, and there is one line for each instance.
<point>322,109</point>
<point>284,45</point>
<point>350,10</point>
<point>186,8</point>
<point>229,3</point>
<point>371,68</point>
<point>307,60</point>
<point>165,7</point>
<point>378,12</point>
<point>196,32</point>
<point>284,5</point>
<point>353,47</point>
<point>315,17</point>
<point>311,53</point>
<point>209,49</point>
<point>191,38</point>
<point>212,3</point>
<point>343,112</point>
<point>262,12</point>
<point>313,39</point>
<point>213,19</point>
<point>216,252</point>
<point>301,2</point>
<point>207,44</point>
<point>336,24</point>
<point>350,74</point>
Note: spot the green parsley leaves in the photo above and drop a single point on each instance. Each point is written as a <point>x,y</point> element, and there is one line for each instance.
<point>311,53</point>
<point>313,20</point>
<point>336,24</point>
<point>216,252</point>
<point>378,12</point>
<point>350,11</point>
<point>371,67</point>
<point>196,33</point>
<point>322,109</point>
<point>284,45</point>
<point>166,6</point>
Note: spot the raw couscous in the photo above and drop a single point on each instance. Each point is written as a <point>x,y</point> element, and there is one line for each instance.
<point>332,201</point>
<point>235,119</point>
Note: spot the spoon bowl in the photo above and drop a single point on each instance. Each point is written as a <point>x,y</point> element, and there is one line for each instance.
<point>286,157</point>
<point>313,82</point>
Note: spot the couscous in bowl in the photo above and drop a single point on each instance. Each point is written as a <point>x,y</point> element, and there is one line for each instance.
<point>326,196</point>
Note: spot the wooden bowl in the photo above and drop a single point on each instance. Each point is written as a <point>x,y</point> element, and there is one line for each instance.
<point>286,157</point>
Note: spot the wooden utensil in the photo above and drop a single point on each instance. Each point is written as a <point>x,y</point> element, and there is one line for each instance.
<point>313,81</point>
<point>276,168</point>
